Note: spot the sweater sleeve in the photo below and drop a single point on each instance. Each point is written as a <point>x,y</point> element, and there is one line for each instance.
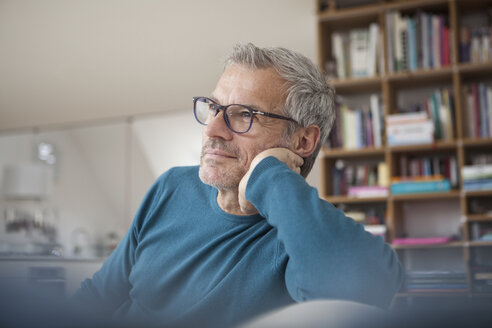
<point>109,288</point>
<point>329,255</point>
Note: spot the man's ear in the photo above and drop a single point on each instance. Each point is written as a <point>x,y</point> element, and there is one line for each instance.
<point>304,140</point>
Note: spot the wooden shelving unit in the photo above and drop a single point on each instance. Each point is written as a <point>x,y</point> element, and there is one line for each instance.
<point>457,75</point>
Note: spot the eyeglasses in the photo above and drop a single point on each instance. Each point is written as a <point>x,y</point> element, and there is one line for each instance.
<point>238,118</point>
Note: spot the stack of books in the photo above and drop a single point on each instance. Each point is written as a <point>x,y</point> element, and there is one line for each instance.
<point>417,42</point>
<point>357,128</point>
<point>409,129</point>
<point>436,282</point>
<point>357,52</point>
<point>477,177</point>
<point>417,185</point>
<point>423,123</point>
<point>479,110</point>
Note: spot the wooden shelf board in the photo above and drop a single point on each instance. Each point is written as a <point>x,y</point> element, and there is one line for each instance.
<point>374,9</point>
<point>420,76</point>
<point>430,246</point>
<point>478,218</point>
<point>437,145</point>
<point>415,4</point>
<point>347,199</point>
<point>347,13</point>
<point>477,193</point>
<point>427,196</point>
<point>340,152</point>
<point>356,85</point>
<point>470,142</point>
<point>474,67</point>
<point>479,243</point>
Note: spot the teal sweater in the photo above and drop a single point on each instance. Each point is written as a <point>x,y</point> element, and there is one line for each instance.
<point>185,260</point>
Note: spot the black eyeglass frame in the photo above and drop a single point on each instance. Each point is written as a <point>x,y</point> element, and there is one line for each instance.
<point>218,107</point>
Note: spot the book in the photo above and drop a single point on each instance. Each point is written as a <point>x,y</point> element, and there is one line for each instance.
<point>359,51</point>
<point>476,172</point>
<point>422,241</point>
<point>436,41</point>
<point>479,184</point>
<point>489,102</point>
<point>376,120</point>
<point>476,109</point>
<point>362,191</point>
<point>390,40</point>
<point>404,118</point>
<point>383,176</point>
<point>471,112</point>
<point>376,229</point>
<point>411,187</point>
<point>410,134</point>
<point>399,29</point>
<point>412,45</point>
<point>372,62</point>
<point>484,127</point>
<point>446,114</point>
<point>425,41</point>
<point>435,106</point>
<point>338,54</point>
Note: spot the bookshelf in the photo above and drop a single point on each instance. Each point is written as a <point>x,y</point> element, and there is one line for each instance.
<point>456,71</point>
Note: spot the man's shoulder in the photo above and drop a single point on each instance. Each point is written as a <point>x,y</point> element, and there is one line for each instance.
<point>179,175</point>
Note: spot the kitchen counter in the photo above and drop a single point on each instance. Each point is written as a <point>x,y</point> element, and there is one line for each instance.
<point>49,258</point>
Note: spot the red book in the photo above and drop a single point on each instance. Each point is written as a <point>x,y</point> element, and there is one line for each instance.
<point>446,59</point>
<point>476,109</point>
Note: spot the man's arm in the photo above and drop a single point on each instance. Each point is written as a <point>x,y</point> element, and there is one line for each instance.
<point>329,255</point>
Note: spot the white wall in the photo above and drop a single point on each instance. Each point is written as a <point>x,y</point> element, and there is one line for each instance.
<point>68,61</point>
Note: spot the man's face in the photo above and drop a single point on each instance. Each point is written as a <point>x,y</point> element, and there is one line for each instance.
<point>226,156</point>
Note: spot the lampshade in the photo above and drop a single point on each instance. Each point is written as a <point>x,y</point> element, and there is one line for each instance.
<point>27,181</point>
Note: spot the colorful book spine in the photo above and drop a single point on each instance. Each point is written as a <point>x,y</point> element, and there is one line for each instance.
<point>409,187</point>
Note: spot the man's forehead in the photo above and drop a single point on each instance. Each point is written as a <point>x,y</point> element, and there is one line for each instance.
<point>261,87</point>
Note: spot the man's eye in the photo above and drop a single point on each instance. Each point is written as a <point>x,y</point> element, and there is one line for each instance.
<point>245,114</point>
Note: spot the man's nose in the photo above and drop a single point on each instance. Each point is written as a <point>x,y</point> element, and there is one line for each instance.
<point>217,127</point>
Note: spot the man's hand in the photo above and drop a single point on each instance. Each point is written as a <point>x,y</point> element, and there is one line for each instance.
<point>293,161</point>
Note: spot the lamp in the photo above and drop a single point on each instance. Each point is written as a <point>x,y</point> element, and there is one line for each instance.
<point>27,181</point>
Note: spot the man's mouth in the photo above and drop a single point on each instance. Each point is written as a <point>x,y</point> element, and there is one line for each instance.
<point>218,153</point>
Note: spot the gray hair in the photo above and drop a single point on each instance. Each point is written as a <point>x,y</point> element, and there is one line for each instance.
<point>310,100</point>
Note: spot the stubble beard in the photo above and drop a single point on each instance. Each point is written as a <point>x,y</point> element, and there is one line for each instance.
<point>219,174</point>
<point>222,176</point>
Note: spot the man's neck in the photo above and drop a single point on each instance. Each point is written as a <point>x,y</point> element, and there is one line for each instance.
<point>228,201</point>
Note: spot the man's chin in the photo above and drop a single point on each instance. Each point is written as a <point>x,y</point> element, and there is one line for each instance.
<point>216,178</point>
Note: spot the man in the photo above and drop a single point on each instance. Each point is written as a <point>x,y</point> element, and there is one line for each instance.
<point>244,233</point>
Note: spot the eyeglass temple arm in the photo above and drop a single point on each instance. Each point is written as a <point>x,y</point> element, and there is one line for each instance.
<point>275,116</point>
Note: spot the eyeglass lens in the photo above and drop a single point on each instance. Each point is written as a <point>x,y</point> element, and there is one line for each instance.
<point>237,117</point>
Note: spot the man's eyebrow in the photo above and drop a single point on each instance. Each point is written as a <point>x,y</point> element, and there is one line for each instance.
<point>255,107</point>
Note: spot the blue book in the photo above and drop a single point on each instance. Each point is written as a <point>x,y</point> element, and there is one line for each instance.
<point>412,45</point>
<point>478,184</point>
<point>484,117</point>
<point>415,187</point>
